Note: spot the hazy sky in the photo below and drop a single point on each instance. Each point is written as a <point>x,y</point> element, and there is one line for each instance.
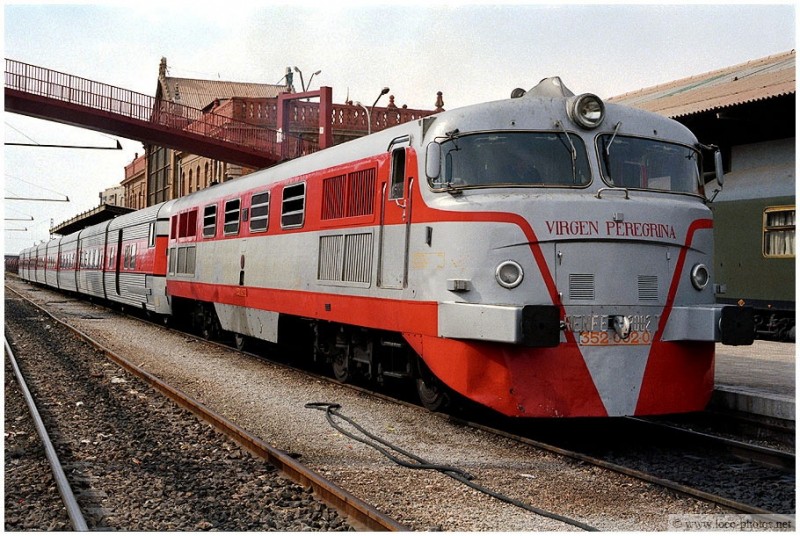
<point>470,52</point>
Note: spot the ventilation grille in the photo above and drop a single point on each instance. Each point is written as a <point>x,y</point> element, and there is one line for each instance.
<point>648,288</point>
<point>346,196</point>
<point>345,258</point>
<point>357,258</point>
<point>581,286</point>
<point>333,197</point>
<point>330,248</point>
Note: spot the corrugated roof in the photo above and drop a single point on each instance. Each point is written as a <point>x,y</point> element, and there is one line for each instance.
<point>748,82</point>
<point>200,93</point>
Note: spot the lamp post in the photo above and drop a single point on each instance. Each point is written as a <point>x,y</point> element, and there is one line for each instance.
<point>383,92</point>
<point>312,77</point>
<point>369,117</point>
<point>302,83</point>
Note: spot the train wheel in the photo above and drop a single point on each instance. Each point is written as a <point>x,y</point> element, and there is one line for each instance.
<point>432,393</point>
<point>240,341</point>
<point>210,330</point>
<point>339,364</point>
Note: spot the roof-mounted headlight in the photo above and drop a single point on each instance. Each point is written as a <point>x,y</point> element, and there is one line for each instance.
<point>587,110</point>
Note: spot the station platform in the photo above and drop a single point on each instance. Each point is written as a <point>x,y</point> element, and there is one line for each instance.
<point>757,380</point>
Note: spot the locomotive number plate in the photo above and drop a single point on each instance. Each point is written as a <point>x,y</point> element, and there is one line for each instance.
<point>611,338</point>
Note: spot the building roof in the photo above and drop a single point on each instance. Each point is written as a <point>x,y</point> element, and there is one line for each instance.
<point>198,94</point>
<point>98,214</point>
<point>755,80</point>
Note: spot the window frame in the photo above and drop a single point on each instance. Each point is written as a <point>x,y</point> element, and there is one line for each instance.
<point>210,221</point>
<point>256,218</point>
<point>231,216</point>
<point>766,229</point>
<point>286,215</point>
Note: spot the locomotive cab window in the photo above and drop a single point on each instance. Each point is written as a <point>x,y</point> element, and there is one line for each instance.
<point>646,164</point>
<point>231,225</point>
<point>398,173</point>
<point>779,227</point>
<point>513,159</point>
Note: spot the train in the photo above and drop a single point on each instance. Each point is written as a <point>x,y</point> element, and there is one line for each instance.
<point>754,236</point>
<point>546,255</point>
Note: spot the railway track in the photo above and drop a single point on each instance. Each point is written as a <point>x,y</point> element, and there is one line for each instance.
<point>742,477</point>
<point>29,452</point>
<point>525,474</point>
<point>116,414</point>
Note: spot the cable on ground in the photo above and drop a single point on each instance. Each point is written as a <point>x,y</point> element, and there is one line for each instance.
<point>332,410</point>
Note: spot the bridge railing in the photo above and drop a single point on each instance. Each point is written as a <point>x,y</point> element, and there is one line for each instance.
<point>98,96</point>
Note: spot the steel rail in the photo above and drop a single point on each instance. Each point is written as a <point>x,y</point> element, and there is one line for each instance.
<point>358,512</point>
<point>639,475</point>
<point>635,473</point>
<point>64,489</point>
<point>764,456</point>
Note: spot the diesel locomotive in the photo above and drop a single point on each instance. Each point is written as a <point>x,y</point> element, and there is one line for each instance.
<point>547,255</point>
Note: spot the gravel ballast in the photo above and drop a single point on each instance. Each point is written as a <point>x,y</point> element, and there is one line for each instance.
<point>269,400</point>
<point>135,460</point>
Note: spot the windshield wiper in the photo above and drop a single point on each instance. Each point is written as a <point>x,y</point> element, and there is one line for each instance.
<point>613,136</point>
<point>573,152</point>
<point>607,151</point>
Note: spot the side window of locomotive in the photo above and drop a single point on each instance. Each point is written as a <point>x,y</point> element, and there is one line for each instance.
<point>398,173</point>
<point>231,225</point>
<point>779,227</point>
<point>259,212</point>
<point>210,221</point>
<point>293,207</point>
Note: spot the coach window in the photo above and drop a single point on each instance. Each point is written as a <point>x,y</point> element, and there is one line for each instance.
<point>182,224</point>
<point>210,221</point>
<point>294,206</point>
<point>231,225</point>
<point>779,226</point>
<point>259,212</point>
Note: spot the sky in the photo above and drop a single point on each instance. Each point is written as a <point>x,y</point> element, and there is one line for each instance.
<point>470,52</point>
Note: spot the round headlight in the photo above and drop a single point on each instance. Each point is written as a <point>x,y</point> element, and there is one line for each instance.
<point>700,276</point>
<point>588,110</point>
<point>509,274</point>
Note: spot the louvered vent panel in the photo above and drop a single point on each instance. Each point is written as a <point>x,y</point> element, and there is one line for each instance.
<point>648,288</point>
<point>581,286</point>
<point>361,192</point>
<point>358,258</point>
<point>333,197</point>
<point>329,250</point>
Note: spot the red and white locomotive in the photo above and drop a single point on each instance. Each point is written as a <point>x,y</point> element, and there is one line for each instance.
<point>548,255</point>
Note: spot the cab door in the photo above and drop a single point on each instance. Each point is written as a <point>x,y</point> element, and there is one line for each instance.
<point>395,222</point>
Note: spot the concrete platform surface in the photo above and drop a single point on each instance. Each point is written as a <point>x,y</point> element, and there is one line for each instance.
<point>758,379</point>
